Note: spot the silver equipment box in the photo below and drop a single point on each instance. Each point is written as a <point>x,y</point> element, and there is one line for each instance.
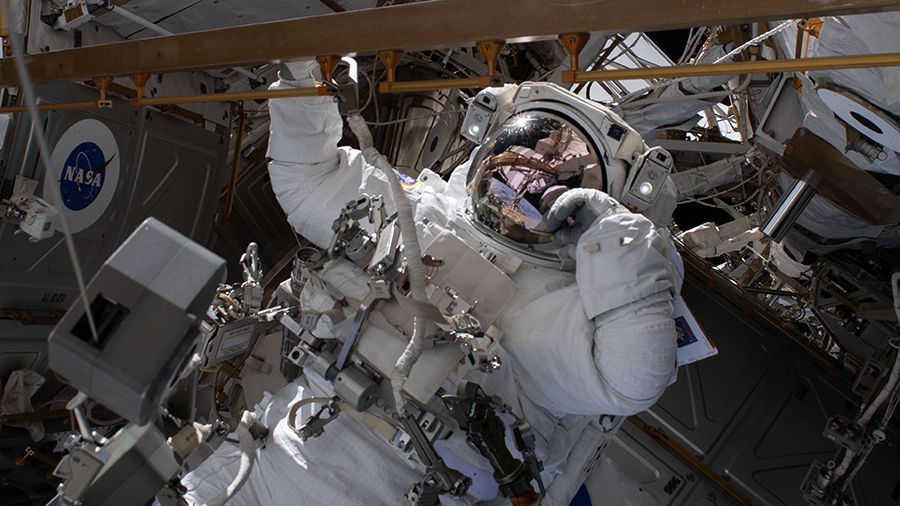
<point>148,301</point>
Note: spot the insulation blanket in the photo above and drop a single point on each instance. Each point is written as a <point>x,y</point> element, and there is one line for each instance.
<point>653,119</point>
<point>17,392</point>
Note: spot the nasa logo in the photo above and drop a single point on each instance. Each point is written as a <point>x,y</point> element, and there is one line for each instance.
<point>83,176</point>
<point>84,173</point>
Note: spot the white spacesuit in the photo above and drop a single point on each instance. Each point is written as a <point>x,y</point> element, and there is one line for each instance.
<point>576,344</point>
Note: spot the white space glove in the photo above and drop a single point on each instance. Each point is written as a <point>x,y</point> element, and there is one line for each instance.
<point>298,70</point>
<point>584,206</point>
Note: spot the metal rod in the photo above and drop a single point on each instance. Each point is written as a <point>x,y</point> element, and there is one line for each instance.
<point>844,300</point>
<point>125,13</point>
<point>227,97</point>
<point>437,84</point>
<point>220,394</point>
<point>140,80</point>
<point>413,26</point>
<point>34,415</point>
<point>236,163</point>
<point>182,99</point>
<point>772,292</point>
<point>788,209</point>
<point>245,72</point>
<point>601,60</point>
<point>331,4</point>
<point>243,176</point>
<point>718,283</point>
<point>52,107</point>
<point>752,67</point>
<point>83,426</point>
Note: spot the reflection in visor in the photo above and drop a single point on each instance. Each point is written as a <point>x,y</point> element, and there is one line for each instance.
<point>532,161</point>
<point>507,203</point>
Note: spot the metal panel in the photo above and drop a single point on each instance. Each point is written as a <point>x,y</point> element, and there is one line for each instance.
<point>420,142</point>
<point>642,459</point>
<point>258,217</point>
<point>168,169</point>
<point>177,177</point>
<point>754,413</point>
<point>22,347</point>
<point>783,435</point>
<point>705,400</point>
<point>179,17</point>
<point>29,271</point>
<point>782,118</point>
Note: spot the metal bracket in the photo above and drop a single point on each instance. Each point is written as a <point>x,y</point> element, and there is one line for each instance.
<point>315,425</point>
<point>439,478</point>
<point>474,411</point>
<point>364,307</point>
<point>524,437</point>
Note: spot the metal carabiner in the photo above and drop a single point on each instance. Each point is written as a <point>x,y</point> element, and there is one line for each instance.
<point>314,426</point>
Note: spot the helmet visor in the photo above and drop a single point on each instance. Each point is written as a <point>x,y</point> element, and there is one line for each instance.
<point>523,167</point>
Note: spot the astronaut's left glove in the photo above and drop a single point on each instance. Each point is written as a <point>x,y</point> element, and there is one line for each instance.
<point>575,211</point>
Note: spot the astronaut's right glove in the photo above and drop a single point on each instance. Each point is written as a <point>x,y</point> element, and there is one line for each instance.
<point>575,211</point>
<point>299,71</point>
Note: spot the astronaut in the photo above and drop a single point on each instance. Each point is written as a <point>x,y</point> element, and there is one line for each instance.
<point>578,308</point>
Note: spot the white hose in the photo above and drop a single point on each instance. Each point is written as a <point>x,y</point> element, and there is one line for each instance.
<point>895,372</point>
<point>414,264</point>
<point>845,464</point>
<point>756,40</point>
<point>74,406</point>
<point>248,457</point>
<point>885,392</point>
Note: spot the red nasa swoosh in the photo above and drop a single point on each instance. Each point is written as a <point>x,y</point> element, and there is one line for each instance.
<point>97,170</point>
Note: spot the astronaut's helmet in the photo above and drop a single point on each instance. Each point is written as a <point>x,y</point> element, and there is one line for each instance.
<point>522,167</point>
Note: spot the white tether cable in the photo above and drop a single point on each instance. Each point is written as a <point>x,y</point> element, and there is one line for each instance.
<point>895,371</point>
<point>756,40</point>
<point>30,100</point>
<point>248,457</point>
<point>885,392</point>
<point>413,255</point>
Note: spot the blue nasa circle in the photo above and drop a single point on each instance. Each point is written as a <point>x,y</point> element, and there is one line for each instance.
<point>83,176</point>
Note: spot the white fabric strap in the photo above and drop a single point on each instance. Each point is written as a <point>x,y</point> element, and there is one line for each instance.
<point>417,309</point>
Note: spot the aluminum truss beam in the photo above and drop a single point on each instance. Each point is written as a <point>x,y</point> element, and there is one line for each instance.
<point>421,25</point>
